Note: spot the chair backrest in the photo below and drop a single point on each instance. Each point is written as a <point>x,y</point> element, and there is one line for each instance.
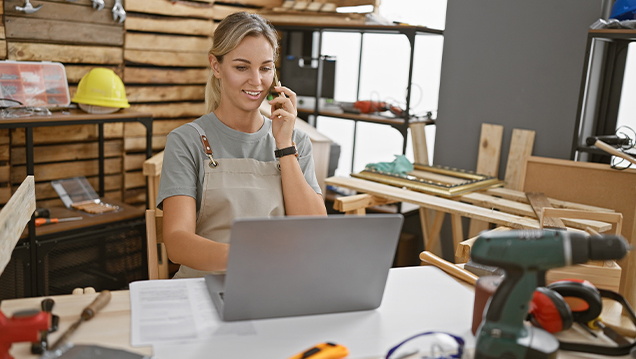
<point>157,265</point>
<point>152,171</point>
<point>14,217</point>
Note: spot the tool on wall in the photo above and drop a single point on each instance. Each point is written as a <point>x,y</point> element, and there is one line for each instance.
<point>28,8</point>
<point>118,11</point>
<point>98,5</point>
<point>525,256</point>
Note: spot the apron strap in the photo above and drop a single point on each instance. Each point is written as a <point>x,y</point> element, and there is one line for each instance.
<point>206,145</point>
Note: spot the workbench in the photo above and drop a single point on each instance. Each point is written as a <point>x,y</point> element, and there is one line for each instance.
<point>112,325</point>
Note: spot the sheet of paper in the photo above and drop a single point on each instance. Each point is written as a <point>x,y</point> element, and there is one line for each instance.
<point>416,299</point>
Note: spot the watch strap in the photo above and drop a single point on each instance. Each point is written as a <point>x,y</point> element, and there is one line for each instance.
<point>286,151</point>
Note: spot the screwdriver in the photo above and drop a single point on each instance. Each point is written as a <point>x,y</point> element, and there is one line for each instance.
<point>89,312</point>
<point>43,221</point>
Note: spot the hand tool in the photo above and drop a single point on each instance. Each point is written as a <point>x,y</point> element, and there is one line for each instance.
<point>609,332</point>
<point>525,256</point>
<point>323,351</point>
<point>24,326</point>
<point>118,11</point>
<point>28,8</point>
<point>42,213</point>
<point>43,221</point>
<point>39,347</point>
<point>98,4</point>
<point>89,312</point>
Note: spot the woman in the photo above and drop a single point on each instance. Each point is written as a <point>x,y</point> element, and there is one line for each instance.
<point>240,175</point>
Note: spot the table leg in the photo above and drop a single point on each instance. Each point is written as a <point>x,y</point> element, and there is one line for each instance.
<point>433,235</point>
<point>458,232</point>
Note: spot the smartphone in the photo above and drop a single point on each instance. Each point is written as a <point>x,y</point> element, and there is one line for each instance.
<point>273,92</point>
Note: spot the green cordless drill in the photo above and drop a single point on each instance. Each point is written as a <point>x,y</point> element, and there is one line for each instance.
<point>525,256</point>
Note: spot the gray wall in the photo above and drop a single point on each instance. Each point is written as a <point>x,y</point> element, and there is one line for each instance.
<point>514,63</point>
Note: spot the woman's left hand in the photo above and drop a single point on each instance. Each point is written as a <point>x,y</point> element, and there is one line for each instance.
<point>283,117</point>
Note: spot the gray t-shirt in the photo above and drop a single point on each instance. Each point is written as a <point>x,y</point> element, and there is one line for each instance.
<point>183,171</point>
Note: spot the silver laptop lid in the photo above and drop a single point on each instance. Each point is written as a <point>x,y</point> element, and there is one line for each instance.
<point>288,266</point>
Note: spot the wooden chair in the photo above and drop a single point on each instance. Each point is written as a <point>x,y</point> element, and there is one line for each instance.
<point>152,171</point>
<point>154,235</point>
<point>14,217</point>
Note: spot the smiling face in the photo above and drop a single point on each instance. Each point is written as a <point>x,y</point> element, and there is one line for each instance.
<point>246,74</point>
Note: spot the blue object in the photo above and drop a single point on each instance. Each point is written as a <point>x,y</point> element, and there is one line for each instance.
<point>624,10</point>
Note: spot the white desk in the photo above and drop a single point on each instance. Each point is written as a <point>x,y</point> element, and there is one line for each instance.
<point>416,299</point>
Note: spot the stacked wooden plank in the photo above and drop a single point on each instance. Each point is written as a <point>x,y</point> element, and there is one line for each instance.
<point>81,38</point>
<point>319,11</point>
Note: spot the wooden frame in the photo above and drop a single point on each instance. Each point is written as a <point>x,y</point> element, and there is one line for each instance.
<point>442,181</point>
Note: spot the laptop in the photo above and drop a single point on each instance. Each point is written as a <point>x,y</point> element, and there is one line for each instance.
<point>291,266</point>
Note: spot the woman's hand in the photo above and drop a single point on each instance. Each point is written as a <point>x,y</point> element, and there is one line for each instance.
<point>283,117</point>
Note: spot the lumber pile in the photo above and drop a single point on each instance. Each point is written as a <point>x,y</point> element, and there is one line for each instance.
<point>318,11</point>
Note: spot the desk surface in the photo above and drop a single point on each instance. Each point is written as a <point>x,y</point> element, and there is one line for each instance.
<point>111,327</point>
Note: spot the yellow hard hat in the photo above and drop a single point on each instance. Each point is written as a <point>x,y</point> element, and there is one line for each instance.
<point>101,87</point>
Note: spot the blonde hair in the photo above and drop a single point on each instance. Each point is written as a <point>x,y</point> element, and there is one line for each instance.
<point>227,36</point>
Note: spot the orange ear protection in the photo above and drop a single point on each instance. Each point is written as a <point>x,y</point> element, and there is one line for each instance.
<point>563,303</point>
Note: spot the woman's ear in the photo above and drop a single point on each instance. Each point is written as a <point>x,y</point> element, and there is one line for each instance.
<point>214,65</point>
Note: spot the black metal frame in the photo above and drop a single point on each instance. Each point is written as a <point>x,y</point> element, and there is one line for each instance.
<point>29,123</point>
<point>599,101</point>
<point>399,123</point>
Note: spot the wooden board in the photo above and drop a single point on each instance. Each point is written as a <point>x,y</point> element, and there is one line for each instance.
<point>132,144</point>
<point>145,75</point>
<point>172,110</point>
<point>166,58</point>
<point>134,161</point>
<point>74,73</point>
<point>44,190</point>
<point>60,31</point>
<point>14,217</point>
<point>488,158</point>
<point>169,25</point>
<point>538,201</point>
<point>3,49</point>
<point>521,146</point>
<point>153,42</point>
<point>65,11</point>
<point>56,134</point>
<point>67,152</point>
<point>221,11</point>
<point>60,170</point>
<point>5,173</point>
<point>260,3</point>
<point>159,127</point>
<point>134,179</point>
<point>163,7</point>
<point>4,152</point>
<point>165,93</point>
<point>23,51</point>
<point>5,193</point>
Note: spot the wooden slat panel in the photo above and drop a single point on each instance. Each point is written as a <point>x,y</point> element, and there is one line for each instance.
<point>145,75</point>
<point>4,152</point>
<point>137,41</point>
<point>166,58</point>
<point>5,194</point>
<point>134,161</point>
<point>5,173</point>
<point>74,73</point>
<point>172,110</point>
<point>114,182</point>
<point>139,143</point>
<point>22,51</point>
<point>134,179</point>
<point>162,7</point>
<point>55,171</point>
<point>56,134</point>
<point>170,25</point>
<point>3,49</point>
<point>165,93</point>
<point>113,130</point>
<point>159,127</point>
<point>5,139</point>
<point>67,152</point>
<point>221,11</point>
<point>64,11</point>
<point>3,33</point>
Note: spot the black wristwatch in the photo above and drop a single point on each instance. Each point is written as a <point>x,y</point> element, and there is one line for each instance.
<point>286,151</point>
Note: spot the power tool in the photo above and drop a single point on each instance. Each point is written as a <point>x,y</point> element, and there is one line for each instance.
<point>525,256</point>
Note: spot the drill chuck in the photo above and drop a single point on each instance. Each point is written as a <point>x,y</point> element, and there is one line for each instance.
<point>605,247</point>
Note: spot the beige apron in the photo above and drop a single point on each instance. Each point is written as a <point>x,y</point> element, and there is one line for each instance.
<point>235,188</point>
